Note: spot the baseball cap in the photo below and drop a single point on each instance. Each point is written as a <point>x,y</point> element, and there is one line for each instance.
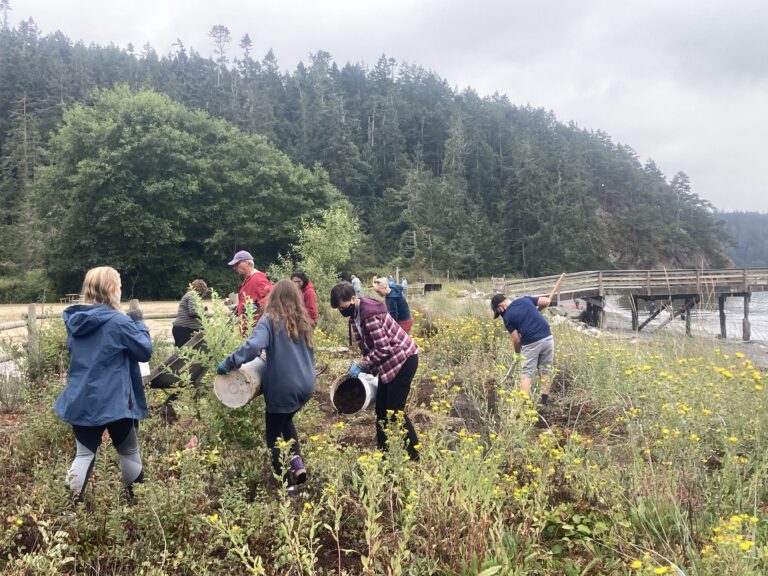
<point>239,257</point>
<point>495,301</point>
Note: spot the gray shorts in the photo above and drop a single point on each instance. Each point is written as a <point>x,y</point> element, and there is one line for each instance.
<point>539,357</point>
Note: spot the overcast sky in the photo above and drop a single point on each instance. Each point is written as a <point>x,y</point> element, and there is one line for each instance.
<point>684,82</point>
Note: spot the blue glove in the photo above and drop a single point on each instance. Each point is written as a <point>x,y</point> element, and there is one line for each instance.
<point>222,368</point>
<point>354,370</point>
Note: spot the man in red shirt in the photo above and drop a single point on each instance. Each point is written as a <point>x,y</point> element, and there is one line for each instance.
<point>255,287</point>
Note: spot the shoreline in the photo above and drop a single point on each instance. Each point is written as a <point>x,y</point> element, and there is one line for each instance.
<point>755,350</point>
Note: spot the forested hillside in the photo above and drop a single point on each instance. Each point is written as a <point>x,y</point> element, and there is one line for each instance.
<point>749,231</point>
<point>442,180</point>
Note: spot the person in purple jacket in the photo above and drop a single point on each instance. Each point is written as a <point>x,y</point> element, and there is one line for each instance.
<point>104,388</point>
<point>531,337</point>
<point>389,353</point>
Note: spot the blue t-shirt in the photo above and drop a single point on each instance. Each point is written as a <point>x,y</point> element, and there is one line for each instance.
<point>524,316</point>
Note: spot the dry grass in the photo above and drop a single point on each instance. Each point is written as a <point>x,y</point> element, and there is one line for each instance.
<point>12,312</point>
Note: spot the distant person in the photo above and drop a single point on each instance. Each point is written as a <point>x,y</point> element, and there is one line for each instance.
<point>356,284</point>
<point>285,333</point>
<point>255,287</point>
<point>104,390</point>
<point>187,321</point>
<point>404,284</point>
<point>531,337</point>
<point>397,305</point>
<point>388,352</point>
<point>390,280</point>
<point>307,289</point>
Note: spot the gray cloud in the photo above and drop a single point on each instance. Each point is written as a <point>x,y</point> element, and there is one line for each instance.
<point>681,82</point>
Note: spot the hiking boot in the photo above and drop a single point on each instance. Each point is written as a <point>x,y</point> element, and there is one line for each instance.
<point>298,469</point>
<point>293,491</point>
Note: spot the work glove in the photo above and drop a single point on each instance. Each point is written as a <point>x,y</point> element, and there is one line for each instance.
<point>354,370</point>
<point>222,368</point>
<point>517,357</point>
<point>135,315</point>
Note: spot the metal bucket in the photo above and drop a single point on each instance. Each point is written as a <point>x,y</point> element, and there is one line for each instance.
<point>352,395</point>
<point>240,386</point>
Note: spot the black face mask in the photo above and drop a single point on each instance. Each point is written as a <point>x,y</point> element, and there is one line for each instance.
<point>349,311</point>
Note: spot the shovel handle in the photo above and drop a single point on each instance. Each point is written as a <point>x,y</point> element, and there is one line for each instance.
<point>556,287</point>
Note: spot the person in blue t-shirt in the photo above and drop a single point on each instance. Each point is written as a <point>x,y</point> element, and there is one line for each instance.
<point>532,338</point>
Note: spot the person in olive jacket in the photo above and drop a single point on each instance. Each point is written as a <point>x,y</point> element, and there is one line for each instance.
<point>104,388</point>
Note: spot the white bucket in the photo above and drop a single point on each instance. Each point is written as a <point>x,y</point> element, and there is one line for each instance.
<point>240,386</point>
<point>352,395</point>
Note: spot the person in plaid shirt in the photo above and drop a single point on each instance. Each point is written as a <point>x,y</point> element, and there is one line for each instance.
<point>388,352</point>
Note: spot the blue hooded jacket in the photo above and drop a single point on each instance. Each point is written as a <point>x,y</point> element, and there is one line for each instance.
<point>397,306</point>
<point>104,380</point>
<point>289,380</point>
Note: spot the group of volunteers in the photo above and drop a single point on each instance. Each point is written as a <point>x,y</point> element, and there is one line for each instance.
<point>104,388</point>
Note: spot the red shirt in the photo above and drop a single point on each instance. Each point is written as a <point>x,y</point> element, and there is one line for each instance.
<point>255,288</point>
<point>384,344</point>
<point>310,301</point>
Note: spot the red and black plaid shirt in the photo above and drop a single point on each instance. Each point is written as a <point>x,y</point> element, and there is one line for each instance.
<point>384,344</point>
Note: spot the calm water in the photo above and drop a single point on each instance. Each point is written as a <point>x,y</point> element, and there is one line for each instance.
<point>705,320</point>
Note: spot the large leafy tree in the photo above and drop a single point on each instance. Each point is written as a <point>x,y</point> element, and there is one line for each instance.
<point>164,194</point>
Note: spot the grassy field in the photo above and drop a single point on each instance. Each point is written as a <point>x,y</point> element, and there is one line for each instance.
<point>651,459</point>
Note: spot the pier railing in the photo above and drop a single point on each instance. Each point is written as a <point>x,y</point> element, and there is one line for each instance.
<point>658,283</point>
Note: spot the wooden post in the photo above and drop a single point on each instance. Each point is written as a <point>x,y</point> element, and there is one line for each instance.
<point>33,340</point>
<point>689,304</point>
<point>601,311</point>
<point>746,328</point>
<point>32,326</point>
<point>721,307</point>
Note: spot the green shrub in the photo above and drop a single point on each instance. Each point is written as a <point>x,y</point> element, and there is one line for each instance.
<point>33,286</point>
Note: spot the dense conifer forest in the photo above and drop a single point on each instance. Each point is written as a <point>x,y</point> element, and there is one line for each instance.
<point>749,234</point>
<point>141,159</point>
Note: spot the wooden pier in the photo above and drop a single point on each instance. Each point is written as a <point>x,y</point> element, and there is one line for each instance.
<point>688,287</point>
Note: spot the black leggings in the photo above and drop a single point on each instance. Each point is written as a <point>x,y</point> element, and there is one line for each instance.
<point>182,335</point>
<point>392,396</point>
<point>280,425</point>
<point>124,435</point>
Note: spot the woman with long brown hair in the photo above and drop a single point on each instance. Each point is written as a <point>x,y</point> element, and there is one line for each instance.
<point>285,333</point>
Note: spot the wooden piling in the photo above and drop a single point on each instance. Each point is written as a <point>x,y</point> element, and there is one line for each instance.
<point>721,307</point>
<point>746,328</point>
<point>635,315</point>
